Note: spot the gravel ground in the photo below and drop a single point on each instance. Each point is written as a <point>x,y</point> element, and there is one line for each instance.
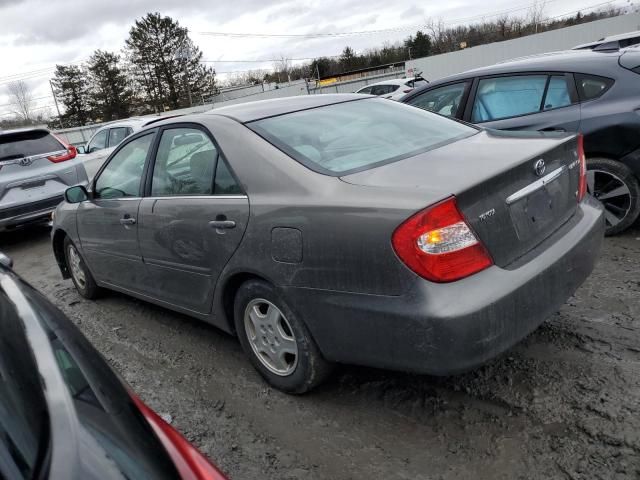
<point>564,403</point>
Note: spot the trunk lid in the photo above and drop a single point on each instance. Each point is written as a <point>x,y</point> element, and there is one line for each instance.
<point>514,188</point>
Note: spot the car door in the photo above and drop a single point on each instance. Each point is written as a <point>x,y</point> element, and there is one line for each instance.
<point>108,222</point>
<point>536,101</point>
<point>193,218</point>
<point>448,100</point>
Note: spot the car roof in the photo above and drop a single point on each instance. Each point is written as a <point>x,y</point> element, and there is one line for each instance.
<point>250,111</point>
<point>579,61</point>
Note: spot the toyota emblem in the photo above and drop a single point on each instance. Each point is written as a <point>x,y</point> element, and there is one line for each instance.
<point>539,167</point>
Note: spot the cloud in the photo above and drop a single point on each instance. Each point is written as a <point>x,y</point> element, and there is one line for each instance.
<point>413,12</point>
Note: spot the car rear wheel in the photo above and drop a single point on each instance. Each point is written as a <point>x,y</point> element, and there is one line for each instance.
<point>80,274</point>
<point>618,189</point>
<point>276,341</point>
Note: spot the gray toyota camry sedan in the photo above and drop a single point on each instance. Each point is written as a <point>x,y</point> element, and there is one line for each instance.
<point>339,228</point>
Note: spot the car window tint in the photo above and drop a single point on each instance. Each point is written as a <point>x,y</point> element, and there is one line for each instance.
<point>122,175</point>
<point>592,86</point>
<point>117,135</point>
<point>444,100</point>
<point>505,97</point>
<point>225,184</point>
<point>557,93</point>
<point>365,90</point>
<point>356,135</point>
<point>27,143</point>
<point>185,163</point>
<point>99,141</point>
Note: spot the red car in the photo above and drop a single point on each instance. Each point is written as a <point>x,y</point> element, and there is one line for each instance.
<point>64,414</point>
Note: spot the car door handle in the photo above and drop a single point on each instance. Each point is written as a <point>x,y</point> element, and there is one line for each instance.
<point>127,221</point>
<point>217,224</point>
<point>551,129</point>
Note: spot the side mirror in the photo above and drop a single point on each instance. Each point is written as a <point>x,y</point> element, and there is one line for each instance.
<point>81,149</point>
<point>76,194</point>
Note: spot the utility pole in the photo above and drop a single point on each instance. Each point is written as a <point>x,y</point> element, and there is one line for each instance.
<point>55,100</point>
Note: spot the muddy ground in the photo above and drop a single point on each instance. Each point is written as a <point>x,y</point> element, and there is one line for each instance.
<point>565,403</point>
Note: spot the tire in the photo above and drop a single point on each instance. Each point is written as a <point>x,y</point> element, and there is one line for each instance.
<point>80,274</point>
<point>618,189</point>
<point>274,328</point>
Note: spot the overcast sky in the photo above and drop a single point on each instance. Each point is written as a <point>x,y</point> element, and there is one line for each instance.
<point>37,34</point>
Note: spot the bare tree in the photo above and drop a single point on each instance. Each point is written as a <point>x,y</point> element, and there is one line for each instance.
<point>282,67</point>
<point>21,99</point>
<point>536,15</point>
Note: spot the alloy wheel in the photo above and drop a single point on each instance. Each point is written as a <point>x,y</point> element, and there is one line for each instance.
<point>271,337</point>
<point>76,269</point>
<point>612,192</point>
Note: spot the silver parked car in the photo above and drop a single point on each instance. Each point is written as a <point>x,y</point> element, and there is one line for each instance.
<point>36,168</point>
<point>339,228</point>
<point>105,140</point>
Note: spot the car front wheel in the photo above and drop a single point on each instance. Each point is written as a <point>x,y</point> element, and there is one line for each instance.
<point>618,189</point>
<point>276,341</point>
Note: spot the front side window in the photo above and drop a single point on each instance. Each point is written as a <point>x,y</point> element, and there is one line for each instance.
<point>357,135</point>
<point>505,97</point>
<point>98,142</point>
<point>185,163</point>
<point>365,90</point>
<point>123,174</point>
<point>444,100</point>
<point>592,86</point>
<point>117,135</point>
<point>383,89</point>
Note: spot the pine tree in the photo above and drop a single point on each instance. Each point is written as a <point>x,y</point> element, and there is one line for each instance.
<point>167,64</point>
<point>110,96</point>
<point>72,90</point>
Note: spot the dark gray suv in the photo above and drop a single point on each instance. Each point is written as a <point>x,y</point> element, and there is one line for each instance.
<point>595,93</point>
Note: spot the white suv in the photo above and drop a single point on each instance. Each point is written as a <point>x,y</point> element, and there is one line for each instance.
<point>393,89</point>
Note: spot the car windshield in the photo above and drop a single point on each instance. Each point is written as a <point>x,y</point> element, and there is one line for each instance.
<point>24,420</point>
<point>358,135</point>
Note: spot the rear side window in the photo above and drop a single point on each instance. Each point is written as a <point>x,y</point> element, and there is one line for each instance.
<point>505,97</point>
<point>185,163</point>
<point>557,93</point>
<point>383,89</point>
<point>116,135</point>
<point>592,86</point>
<point>358,135</point>
<point>25,144</point>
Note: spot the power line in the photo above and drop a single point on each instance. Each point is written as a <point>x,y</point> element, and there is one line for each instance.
<point>369,32</point>
<point>269,59</point>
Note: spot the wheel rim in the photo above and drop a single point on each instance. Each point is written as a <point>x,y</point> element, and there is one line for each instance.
<point>76,269</point>
<point>271,337</point>
<point>612,192</point>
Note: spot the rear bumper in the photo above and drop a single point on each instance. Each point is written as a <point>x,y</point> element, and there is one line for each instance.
<point>443,329</point>
<point>28,212</point>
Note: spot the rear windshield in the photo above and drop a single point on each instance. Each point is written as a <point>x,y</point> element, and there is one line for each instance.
<point>25,144</point>
<point>358,135</point>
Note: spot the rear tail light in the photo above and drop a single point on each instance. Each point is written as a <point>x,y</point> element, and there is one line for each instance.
<point>189,462</point>
<point>70,153</point>
<point>582,182</point>
<point>437,244</point>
